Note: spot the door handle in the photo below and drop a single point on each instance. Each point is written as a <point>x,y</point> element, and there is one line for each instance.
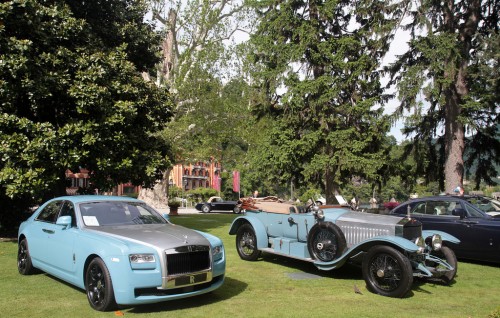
<point>48,231</point>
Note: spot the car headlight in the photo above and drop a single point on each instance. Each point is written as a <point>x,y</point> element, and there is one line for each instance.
<point>320,214</point>
<point>217,252</point>
<point>420,242</point>
<point>142,261</point>
<point>437,242</point>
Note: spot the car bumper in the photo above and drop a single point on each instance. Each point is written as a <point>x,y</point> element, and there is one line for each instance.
<point>133,287</point>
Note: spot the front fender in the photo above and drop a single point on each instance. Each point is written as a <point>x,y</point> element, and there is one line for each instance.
<point>445,236</point>
<point>394,241</point>
<point>259,228</point>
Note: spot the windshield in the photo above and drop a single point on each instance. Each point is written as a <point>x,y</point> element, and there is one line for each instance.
<point>118,213</point>
<point>485,204</point>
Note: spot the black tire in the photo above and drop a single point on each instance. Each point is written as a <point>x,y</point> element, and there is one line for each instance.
<point>449,256</point>
<point>237,210</point>
<point>24,265</point>
<point>99,286</point>
<point>326,242</point>
<point>246,243</point>
<point>387,272</point>
<point>205,208</point>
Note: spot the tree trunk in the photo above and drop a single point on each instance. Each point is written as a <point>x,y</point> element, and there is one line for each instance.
<point>454,144</point>
<point>168,46</point>
<point>158,195</point>
<point>455,95</point>
<point>331,187</point>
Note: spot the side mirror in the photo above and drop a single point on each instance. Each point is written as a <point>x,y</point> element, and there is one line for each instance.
<point>64,220</point>
<point>166,216</point>
<point>459,212</point>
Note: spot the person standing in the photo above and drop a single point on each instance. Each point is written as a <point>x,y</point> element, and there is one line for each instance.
<point>255,194</point>
<point>459,190</point>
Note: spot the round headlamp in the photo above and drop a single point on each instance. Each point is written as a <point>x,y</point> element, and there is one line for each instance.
<point>437,242</point>
<point>320,214</point>
<point>420,242</point>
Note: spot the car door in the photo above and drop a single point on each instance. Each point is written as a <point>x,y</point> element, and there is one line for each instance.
<point>481,234</point>
<point>276,223</point>
<point>53,244</point>
<point>438,215</point>
<point>217,204</point>
<point>299,224</point>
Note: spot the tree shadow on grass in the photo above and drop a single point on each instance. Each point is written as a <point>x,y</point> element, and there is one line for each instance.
<point>351,272</point>
<point>347,271</point>
<point>229,289</point>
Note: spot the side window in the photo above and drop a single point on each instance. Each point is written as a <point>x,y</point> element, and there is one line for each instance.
<point>419,208</point>
<point>440,207</point>
<point>50,212</point>
<point>436,208</point>
<point>68,209</point>
<point>414,208</point>
<point>472,211</point>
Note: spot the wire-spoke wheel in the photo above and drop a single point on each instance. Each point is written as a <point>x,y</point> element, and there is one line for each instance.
<point>246,243</point>
<point>387,272</point>
<point>98,286</point>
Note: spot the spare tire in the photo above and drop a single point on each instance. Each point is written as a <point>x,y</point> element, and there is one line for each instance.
<point>326,242</point>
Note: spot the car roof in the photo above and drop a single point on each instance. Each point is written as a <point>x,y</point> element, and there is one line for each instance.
<point>438,197</point>
<point>95,198</point>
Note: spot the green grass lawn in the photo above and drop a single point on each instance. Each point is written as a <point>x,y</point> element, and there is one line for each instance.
<point>268,287</point>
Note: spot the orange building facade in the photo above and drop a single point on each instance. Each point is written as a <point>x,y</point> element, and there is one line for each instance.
<point>196,175</point>
<point>191,176</point>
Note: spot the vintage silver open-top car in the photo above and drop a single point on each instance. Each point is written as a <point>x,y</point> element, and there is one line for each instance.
<point>391,250</point>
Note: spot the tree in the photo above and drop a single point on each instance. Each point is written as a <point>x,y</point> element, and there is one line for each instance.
<point>317,64</point>
<point>73,97</point>
<point>197,62</point>
<point>198,35</point>
<point>437,77</point>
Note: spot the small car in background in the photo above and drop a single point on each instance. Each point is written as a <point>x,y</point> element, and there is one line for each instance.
<point>218,204</point>
<point>478,232</point>
<point>119,250</point>
<point>391,250</point>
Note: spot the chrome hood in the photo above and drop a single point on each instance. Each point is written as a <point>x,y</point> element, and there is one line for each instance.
<point>163,236</point>
<point>359,226</point>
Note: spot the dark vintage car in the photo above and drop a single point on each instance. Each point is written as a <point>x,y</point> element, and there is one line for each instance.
<point>478,232</point>
<point>391,250</point>
<point>219,204</point>
<point>119,250</point>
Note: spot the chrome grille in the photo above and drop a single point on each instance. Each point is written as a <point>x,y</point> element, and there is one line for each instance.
<point>356,234</point>
<point>412,229</point>
<point>188,259</point>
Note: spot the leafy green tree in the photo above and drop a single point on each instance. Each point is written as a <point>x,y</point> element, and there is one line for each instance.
<point>72,97</point>
<point>317,64</point>
<point>449,79</point>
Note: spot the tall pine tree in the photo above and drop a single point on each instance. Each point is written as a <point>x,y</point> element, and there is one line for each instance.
<point>317,63</point>
<point>449,80</point>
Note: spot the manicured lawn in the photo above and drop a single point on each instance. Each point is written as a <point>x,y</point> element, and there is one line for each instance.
<point>271,287</point>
